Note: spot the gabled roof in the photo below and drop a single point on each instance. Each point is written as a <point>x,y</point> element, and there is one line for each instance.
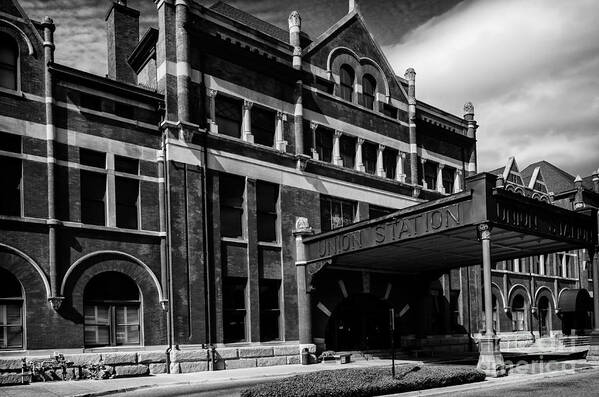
<point>32,32</point>
<point>340,25</point>
<point>251,21</point>
<point>512,169</point>
<point>556,179</point>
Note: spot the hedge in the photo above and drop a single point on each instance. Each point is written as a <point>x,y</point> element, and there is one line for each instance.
<point>358,382</point>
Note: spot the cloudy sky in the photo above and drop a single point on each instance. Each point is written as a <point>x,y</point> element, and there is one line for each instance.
<point>531,67</point>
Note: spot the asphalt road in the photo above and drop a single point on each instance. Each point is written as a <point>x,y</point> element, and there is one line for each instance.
<point>585,384</point>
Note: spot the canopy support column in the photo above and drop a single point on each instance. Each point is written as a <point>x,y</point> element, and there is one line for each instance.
<point>593,354</point>
<point>302,228</point>
<point>490,360</point>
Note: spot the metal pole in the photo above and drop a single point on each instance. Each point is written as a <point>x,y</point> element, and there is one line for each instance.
<point>391,333</point>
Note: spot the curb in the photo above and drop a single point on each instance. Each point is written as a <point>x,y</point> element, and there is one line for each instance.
<point>493,382</point>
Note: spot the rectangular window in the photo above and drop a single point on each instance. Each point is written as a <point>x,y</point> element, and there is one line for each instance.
<point>269,310</point>
<point>517,320</point>
<point>448,174</point>
<point>347,147</point>
<point>92,158</point>
<point>324,144</point>
<point>369,157</point>
<point>234,312</point>
<point>126,200</point>
<point>97,325</point>
<point>111,324</point>
<point>228,115</point>
<point>127,324</point>
<point>11,326</point>
<point>267,199</point>
<point>126,165</point>
<point>307,134</point>
<point>91,102</point>
<point>124,110</point>
<point>11,182</point>
<point>10,142</point>
<point>93,195</point>
<point>390,162</point>
<point>263,126</point>
<point>335,213</point>
<point>232,197</point>
<point>430,174</point>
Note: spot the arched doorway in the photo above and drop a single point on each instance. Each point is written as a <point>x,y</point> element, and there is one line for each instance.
<point>544,316</point>
<point>359,322</point>
<point>11,311</point>
<point>112,311</point>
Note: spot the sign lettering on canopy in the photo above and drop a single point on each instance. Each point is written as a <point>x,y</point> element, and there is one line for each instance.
<point>392,230</point>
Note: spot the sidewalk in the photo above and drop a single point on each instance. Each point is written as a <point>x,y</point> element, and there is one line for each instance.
<point>203,381</point>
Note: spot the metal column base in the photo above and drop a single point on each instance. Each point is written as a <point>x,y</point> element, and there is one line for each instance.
<point>490,359</point>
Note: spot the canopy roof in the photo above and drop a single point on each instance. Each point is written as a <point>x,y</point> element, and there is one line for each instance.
<point>575,300</point>
<point>443,233</point>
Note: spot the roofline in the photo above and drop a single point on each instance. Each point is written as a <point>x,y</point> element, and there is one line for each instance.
<point>122,88</point>
<point>423,106</point>
<point>145,49</point>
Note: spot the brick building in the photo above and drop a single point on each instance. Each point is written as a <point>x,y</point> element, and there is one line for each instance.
<point>153,208</point>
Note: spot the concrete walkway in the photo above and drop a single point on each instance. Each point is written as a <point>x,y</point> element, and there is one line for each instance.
<point>210,381</point>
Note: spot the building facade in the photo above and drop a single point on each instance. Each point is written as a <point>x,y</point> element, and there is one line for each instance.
<point>153,208</point>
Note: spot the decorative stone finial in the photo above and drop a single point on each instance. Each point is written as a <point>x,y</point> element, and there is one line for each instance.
<point>578,179</point>
<point>302,226</point>
<point>48,21</point>
<point>56,302</point>
<point>294,20</point>
<point>468,108</point>
<point>410,74</point>
<point>353,5</point>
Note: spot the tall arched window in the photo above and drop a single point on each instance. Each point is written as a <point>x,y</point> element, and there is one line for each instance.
<point>9,57</point>
<point>112,311</point>
<point>346,82</point>
<point>11,311</point>
<point>518,313</point>
<point>368,90</point>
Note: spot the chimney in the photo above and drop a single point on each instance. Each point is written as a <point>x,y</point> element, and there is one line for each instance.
<point>578,198</point>
<point>122,34</point>
<point>596,181</point>
<point>295,28</point>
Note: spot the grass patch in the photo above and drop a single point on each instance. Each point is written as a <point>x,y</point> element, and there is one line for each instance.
<point>358,382</point>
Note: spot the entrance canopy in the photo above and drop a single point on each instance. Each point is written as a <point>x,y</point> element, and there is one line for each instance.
<point>444,233</point>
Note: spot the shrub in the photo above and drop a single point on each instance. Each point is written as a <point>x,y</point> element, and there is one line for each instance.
<point>358,382</point>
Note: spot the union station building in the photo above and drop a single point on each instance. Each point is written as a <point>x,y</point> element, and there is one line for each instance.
<point>232,192</point>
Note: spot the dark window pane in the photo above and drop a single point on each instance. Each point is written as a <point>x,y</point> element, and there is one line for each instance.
<point>324,144</point>
<point>448,178</point>
<point>368,90</point>
<point>267,197</point>
<point>9,285</point>
<point>124,110</point>
<point>346,79</point>
<point>377,212</point>
<point>369,157</point>
<point>430,175</point>
<point>92,158</point>
<point>10,142</point>
<point>390,162</point>
<point>347,147</point>
<point>126,164</point>
<point>234,311</point>
<point>231,194</point>
<point>91,102</point>
<point>269,309</point>
<point>9,52</point>
<point>126,192</point>
<point>228,115</point>
<point>263,126</point>
<point>336,213</point>
<point>325,214</point>
<point>93,191</point>
<point>10,180</point>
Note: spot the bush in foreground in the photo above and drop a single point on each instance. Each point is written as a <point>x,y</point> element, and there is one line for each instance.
<point>358,382</point>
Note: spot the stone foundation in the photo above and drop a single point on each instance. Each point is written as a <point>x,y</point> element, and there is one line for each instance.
<point>436,343</point>
<point>139,363</point>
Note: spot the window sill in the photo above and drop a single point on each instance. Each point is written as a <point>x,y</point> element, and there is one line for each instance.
<point>108,349</point>
<point>234,240</point>
<point>15,93</point>
<point>269,244</point>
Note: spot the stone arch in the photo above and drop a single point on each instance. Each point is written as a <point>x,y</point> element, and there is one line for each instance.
<point>545,291</point>
<point>361,65</point>
<point>496,290</point>
<point>16,32</point>
<point>87,267</point>
<point>85,258</point>
<point>516,289</point>
<point>32,272</point>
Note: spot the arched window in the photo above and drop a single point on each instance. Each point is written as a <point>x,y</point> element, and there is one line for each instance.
<point>518,313</point>
<point>9,57</point>
<point>368,90</point>
<point>11,311</point>
<point>346,80</point>
<point>112,311</point>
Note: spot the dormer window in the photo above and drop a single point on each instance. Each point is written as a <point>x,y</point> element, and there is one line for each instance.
<point>346,83</point>
<point>368,90</point>
<point>9,57</point>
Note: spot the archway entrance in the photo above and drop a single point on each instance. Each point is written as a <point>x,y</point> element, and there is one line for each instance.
<point>359,322</point>
<point>544,317</point>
